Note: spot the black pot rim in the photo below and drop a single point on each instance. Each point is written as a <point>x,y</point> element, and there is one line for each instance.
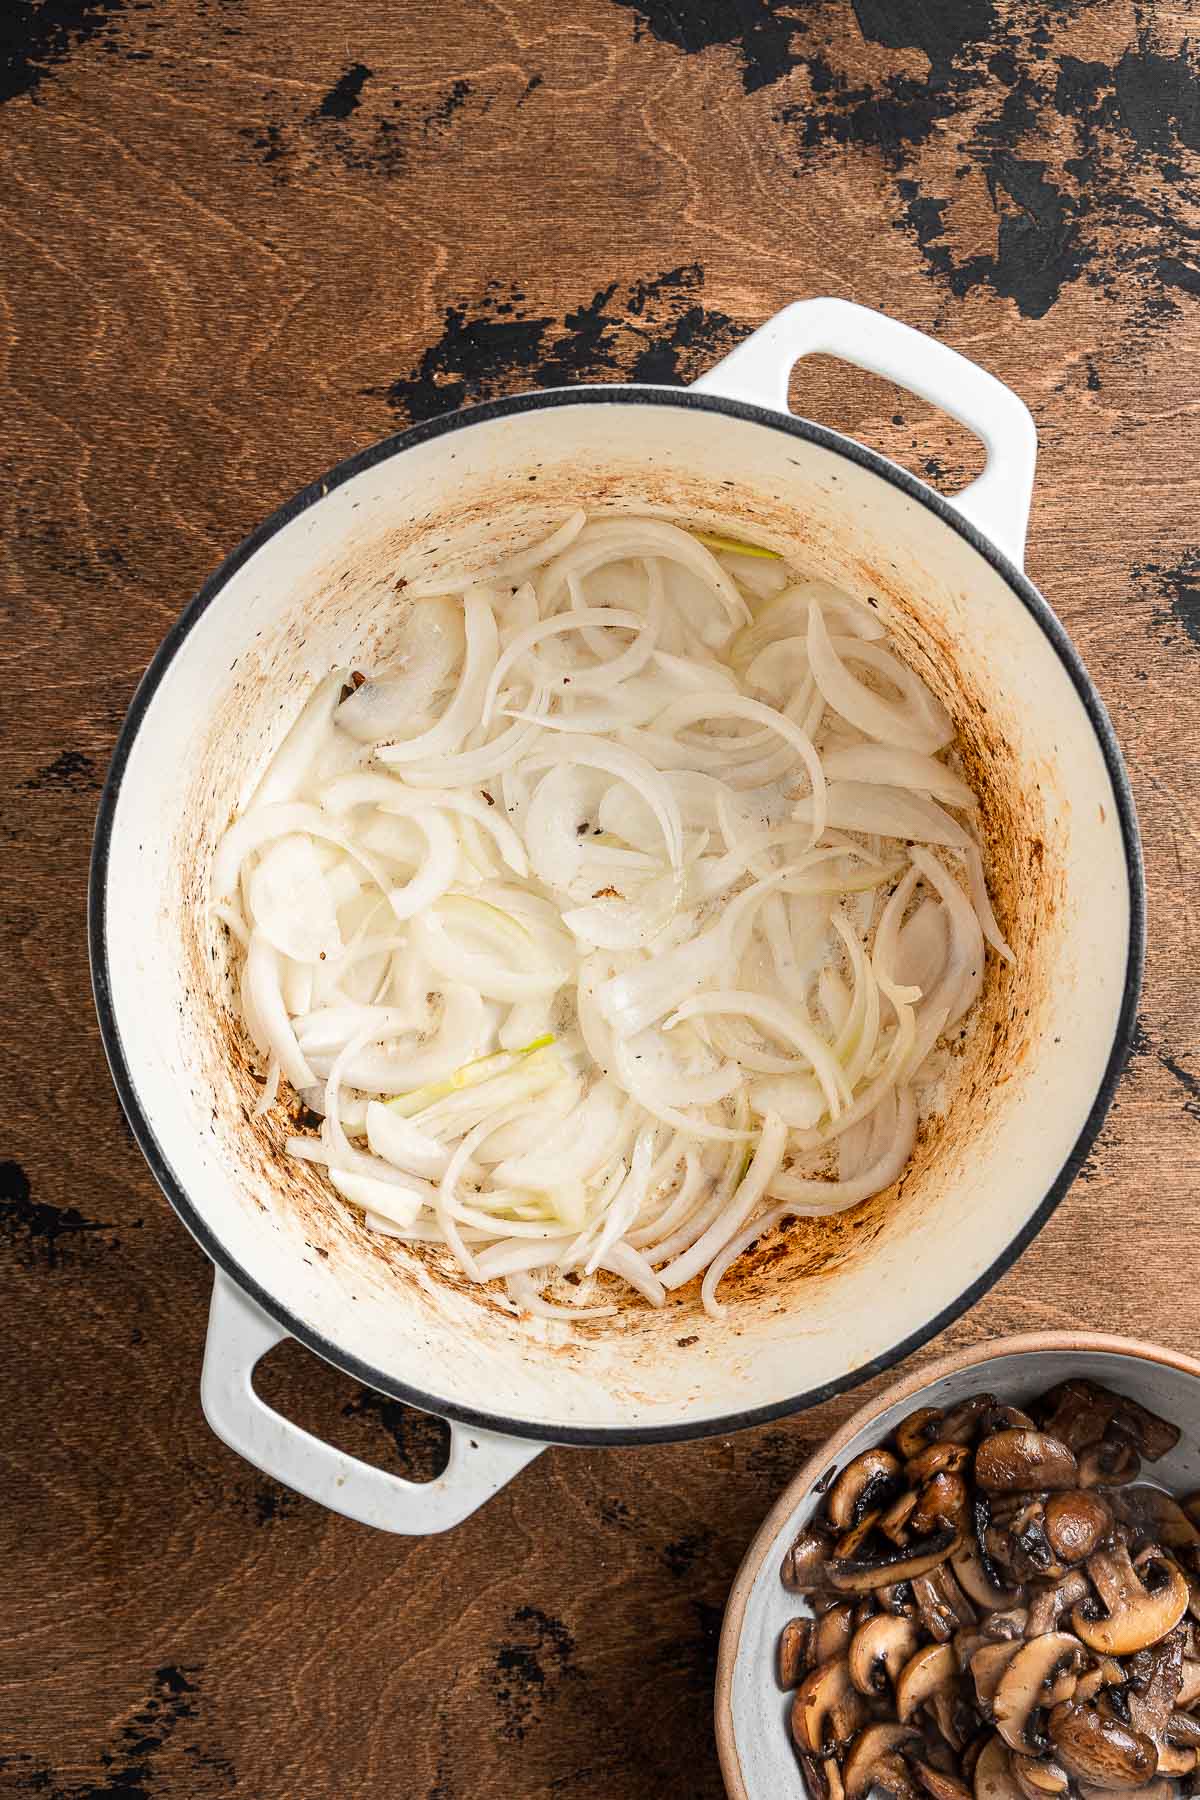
<point>684,399</point>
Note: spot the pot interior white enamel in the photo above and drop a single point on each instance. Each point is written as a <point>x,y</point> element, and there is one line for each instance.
<point>823,1302</point>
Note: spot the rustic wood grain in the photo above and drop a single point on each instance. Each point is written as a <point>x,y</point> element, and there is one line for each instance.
<point>240,239</point>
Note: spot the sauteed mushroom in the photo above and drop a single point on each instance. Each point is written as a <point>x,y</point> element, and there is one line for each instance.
<point>1000,1612</point>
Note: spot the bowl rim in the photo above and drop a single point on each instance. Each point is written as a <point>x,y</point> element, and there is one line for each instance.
<point>766,1539</point>
<point>684,399</point>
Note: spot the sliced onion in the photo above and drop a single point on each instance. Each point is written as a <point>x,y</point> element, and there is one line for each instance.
<point>617,894</point>
<point>980,900</point>
<point>763,1166</point>
<point>288,769</point>
<point>463,712</point>
<point>574,1149</point>
<point>920,725</point>
<point>887,765</point>
<point>616,760</point>
<point>816,1199</point>
<point>784,1022</point>
<point>517,568</point>
<point>616,540</point>
<point>269,1012</point>
<point>524,641</point>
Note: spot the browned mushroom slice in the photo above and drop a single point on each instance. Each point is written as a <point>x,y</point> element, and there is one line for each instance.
<point>1100,1750</point>
<point>822,1776</point>
<point>935,1750</point>
<point>1010,1622</point>
<point>1138,1614</point>
<point>1107,1672</point>
<point>1109,1464</point>
<point>867,1484</point>
<point>896,1597</point>
<point>962,1423</point>
<point>1023,1688</point>
<point>943,1606</point>
<point>833,1632</point>
<point>944,1496</point>
<point>827,1709</point>
<point>1048,1604</point>
<point>994,1778</point>
<point>860,1576</point>
<point>1083,1412</point>
<point>1153,1790</point>
<point>1023,1460</point>
<point>933,1667</point>
<point>1176,1759</point>
<point>987,1667</point>
<point>919,1429</point>
<point>970,1756</point>
<point>873,1760</point>
<point>894,1522</point>
<point>1155,1678</point>
<point>804,1564</point>
<point>1074,1523</point>
<point>879,1651</point>
<point>955,1717</point>
<point>937,1459</point>
<point>1189,1691</point>
<point>1182,1728</point>
<point>794,1642</point>
<point>1155,1514</point>
<point>1191,1506</point>
<point>979,1577</point>
<point>1038,1777</point>
<point>852,1541</point>
<point>937,1783</point>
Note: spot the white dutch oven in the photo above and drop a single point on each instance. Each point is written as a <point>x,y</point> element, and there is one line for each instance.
<point>827,1303</point>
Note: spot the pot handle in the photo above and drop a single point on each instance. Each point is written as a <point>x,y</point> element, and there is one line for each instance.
<point>239,1333</point>
<point>997,502</point>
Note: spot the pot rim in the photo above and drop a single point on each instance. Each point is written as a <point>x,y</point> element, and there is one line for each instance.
<point>825,1456</point>
<point>685,399</point>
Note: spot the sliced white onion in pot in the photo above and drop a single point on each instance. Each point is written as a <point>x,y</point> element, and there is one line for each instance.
<point>889,812</point>
<point>464,710</point>
<point>887,765</point>
<point>657,826</point>
<point>921,724</point>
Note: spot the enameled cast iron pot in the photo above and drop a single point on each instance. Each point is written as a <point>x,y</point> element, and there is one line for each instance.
<point>825,1304</point>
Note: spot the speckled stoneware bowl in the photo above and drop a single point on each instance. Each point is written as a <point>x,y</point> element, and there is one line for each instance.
<point>757,1759</point>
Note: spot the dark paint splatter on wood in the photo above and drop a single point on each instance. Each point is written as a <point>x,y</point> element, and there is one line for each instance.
<point>345,96</point>
<point>39,1230</point>
<point>1188,1082</point>
<point>151,1755</point>
<point>941,29</point>
<point>1177,589</point>
<point>273,1502</point>
<point>71,772</point>
<point>422,1442</point>
<point>1083,163</point>
<point>760,30</point>
<point>445,109</point>
<point>681,1555</point>
<point>529,1667</point>
<point>655,330</point>
<point>36,35</point>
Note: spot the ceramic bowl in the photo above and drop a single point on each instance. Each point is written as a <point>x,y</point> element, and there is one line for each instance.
<point>753,1738</point>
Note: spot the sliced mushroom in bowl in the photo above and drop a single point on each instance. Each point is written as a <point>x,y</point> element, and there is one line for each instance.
<point>988,1585</point>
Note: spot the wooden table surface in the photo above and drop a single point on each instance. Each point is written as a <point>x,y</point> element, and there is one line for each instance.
<point>243,238</point>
